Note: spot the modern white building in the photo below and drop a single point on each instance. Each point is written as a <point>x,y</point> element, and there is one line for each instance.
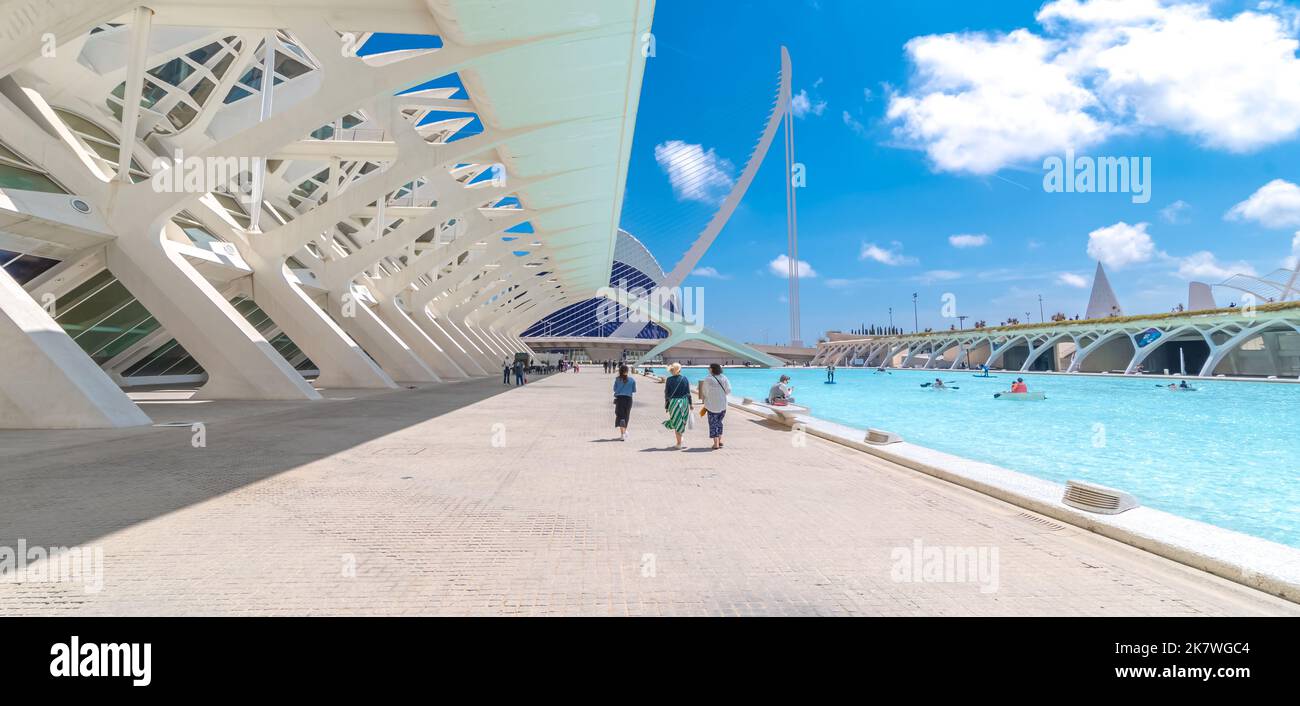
<point>357,193</point>
<point>1260,338</point>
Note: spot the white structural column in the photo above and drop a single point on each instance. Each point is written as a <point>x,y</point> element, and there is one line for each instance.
<point>340,360</point>
<point>389,350</point>
<point>49,382</point>
<point>474,345</point>
<point>447,343</point>
<point>240,363</point>
<point>428,351</point>
<point>138,54</point>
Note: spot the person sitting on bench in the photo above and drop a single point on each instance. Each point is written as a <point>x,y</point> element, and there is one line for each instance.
<point>780,392</point>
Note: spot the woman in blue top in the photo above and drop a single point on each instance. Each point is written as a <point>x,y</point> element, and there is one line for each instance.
<point>677,401</point>
<point>624,388</point>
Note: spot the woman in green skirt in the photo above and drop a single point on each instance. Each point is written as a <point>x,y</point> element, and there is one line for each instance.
<point>677,401</point>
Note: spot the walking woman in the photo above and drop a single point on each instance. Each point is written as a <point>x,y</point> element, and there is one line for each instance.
<point>677,401</point>
<point>713,391</point>
<point>624,388</point>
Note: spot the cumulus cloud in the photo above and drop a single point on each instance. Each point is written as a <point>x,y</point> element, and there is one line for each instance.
<point>801,105</point>
<point>978,102</point>
<point>1274,205</point>
<point>1071,279</point>
<point>1120,245</point>
<point>967,240</point>
<point>982,102</point>
<point>696,174</point>
<point>1204,267</point>
<point>892,255</point>
<point>780,267</point>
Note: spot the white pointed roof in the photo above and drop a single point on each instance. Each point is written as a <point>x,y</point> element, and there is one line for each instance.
<point>1102,302</point>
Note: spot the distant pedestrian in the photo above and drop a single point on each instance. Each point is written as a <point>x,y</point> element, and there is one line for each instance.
<point>677,401</point>
<point>519,373</point>
<point>624,388</point>
<point>713,393</point>
<point>505,372</point>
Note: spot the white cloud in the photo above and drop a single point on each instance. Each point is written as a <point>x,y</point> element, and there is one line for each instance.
<point>801,105</point>
<point>1275,205</point>
<point>1293,261</point>
<point>979,102</point>
<point>1071,279</point>
<point>982,102</point>
<point>868,95</point>
<point>1243,95</point>
<point>695,174</point>
<point>1100,12</point>
<point>849,283</point>
<point>780,267</point>
<point>932,276</point>
<point>1175,212</point>
<point>1120,245</point>
<point>709,272</point>
<point>892,256</point>
<point>966,240</point>
<point>1204,267</point>
<point>854,124</point>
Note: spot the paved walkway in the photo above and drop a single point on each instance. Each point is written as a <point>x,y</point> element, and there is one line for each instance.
<point>473,498</point>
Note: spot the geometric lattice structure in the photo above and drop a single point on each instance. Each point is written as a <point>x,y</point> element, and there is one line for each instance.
<point>634,269</point>
<point>249,195</point>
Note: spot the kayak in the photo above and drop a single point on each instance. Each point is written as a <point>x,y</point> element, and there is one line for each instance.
<point>1021,396</point>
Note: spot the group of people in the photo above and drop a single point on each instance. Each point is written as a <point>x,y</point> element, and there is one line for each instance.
<point>520,370</point>
<point>678,404</point>
<point>517,369</point>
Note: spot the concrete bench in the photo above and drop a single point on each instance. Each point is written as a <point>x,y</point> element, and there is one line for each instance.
<point>787,413</point>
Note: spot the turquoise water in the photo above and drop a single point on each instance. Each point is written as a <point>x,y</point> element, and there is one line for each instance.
<point>1227,454</point>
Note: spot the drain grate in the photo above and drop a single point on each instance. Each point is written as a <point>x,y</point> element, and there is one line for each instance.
<point>1041,522</point>
<point>187,425</point>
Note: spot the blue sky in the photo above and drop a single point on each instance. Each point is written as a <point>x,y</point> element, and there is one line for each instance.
<point>924,121</point>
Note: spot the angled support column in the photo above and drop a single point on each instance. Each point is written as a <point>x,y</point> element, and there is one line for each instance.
<point>447,343</point>
<point>240,363</point>
<point>389,350</point>
<point>47,381</point>
<point>340,360</point>
<point>428,351</point>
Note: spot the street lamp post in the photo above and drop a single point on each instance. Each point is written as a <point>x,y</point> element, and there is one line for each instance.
<point>891,319</point>
<point>916,325</point>
<point>1041,317</point>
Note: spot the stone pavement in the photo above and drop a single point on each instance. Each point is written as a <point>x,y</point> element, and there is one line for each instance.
<point>472,498</point>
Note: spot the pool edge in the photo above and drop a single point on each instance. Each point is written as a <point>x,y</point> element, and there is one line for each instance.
<point>1274,568</point>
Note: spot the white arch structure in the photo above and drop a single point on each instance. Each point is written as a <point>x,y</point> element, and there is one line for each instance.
<point>373,237</point>
<point>679,329</point>
<point>1223,331</point>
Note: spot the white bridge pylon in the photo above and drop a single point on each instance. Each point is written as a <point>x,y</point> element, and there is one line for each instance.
<point>681,331</point>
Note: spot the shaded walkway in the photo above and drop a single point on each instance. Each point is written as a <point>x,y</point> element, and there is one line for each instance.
<point>457,499</point>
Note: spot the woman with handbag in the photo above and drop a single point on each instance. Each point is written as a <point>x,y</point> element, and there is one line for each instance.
<point>677,401</point>
<point>713,394</point>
